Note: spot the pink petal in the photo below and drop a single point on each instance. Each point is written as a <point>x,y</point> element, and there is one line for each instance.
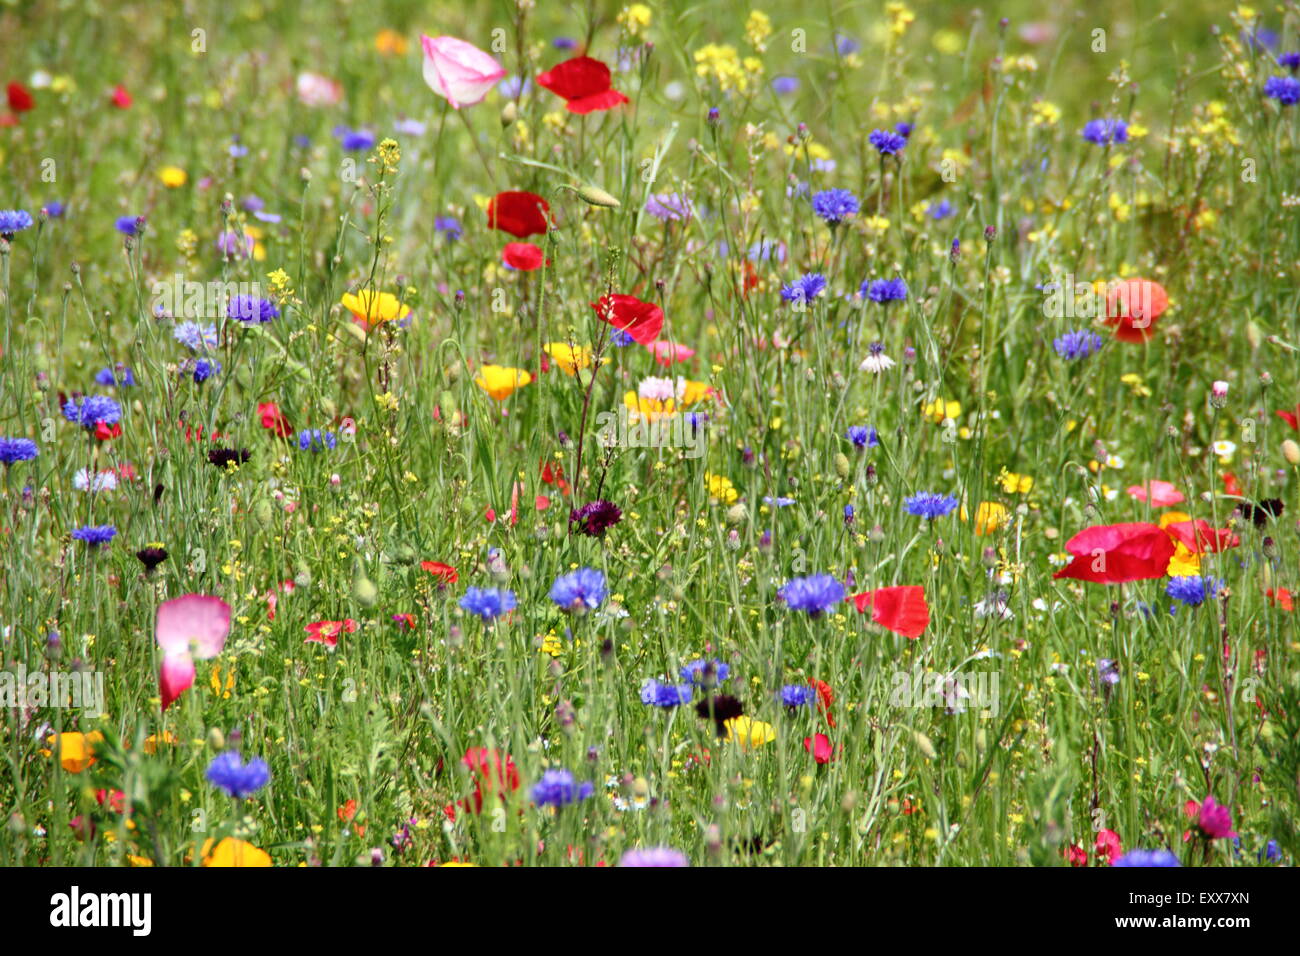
<point>176,677</point>
<point>1161,494</point>
<point>193,622</point>
<point>459,71</point>
<point>666,353</point>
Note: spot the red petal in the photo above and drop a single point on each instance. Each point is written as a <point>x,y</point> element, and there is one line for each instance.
<point>582,76</point>
<point>1110,554</point>
<point>1198,536</point>
<point>1292,418</point>
<point>601,101</point>
<point>642,320</point>
<point>518,213</point>
<point>523,256</point>
<point>901,609</point>
<point>20,101</point>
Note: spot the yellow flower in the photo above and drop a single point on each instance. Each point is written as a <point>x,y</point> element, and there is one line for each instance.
<point>570,359</point>
<point>500,381</point>
<point>948,41</point>
<point>1014,484</point>
<point>552,645</point>
<point>215,682</point>
<point>757,29</point>
<point>151,742</point>
<point>748,732</point>
<point>722,62</point>
<point>390,43</point>
<point>1185,561</point>
<point>173,177</point>
<point>76,751</point>
<point>939,409</point>
<point>232,852</point>
<point>375,308</point>
<point>989,516</point>
<point>457,864</point>
<point>899,17</point>
<point>138,860</point>
<point>721,488</point>
<point>1043,113</point>
<point>634,18</point>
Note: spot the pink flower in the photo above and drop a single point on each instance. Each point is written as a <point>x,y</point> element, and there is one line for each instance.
<point>1161,494</point>
<point>1212,818</point>
<point>459,71</point>
<point>188,627</point>
<point>1108,847</point>
<point>317,90</point>
<point>666,353</point>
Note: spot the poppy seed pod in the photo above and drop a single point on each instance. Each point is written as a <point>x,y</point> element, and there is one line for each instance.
<point>595,196</point>
<point>1291,452</point>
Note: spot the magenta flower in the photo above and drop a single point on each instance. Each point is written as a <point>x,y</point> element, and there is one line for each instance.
<point>188,627</point>
<point>1212,818</point>
<point>458,71</point>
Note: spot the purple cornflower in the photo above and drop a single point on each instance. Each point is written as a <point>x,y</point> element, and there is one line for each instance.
<point>116,375</point>
<point>929,506</point>
<point>884,290</point>
<point>813,594</point>
<point>669,207</point>
<point>654,856</point>
<point>1108,671</point>
<point>557,788</point>
<point>204,369</point>
<point>241,780</point>
<point>834,205</point>
<point>658,694</point>
<point>784,85</point>
<point>804,289</point>
<point>488,603</point>
<point>95,535</point>
<point>250,308</point>
<point>581,591</point>
<point>1147,858</point>
<point>1191,590</point>
<point>129,225</point>
<point>863,436</point>
<point>1284,89</point>
<point>1103,132</point>
<point>1289,60</point>
<point>940,210</point>
<point>887,142</point>
<point>355,139</point>
<point>449,226</point>
<point>706,673</point>
<point>1077,345</point>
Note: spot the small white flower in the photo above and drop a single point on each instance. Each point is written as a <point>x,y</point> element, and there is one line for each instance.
<point>84,480</point>
<point>876,362</point>
<point>1224,449</point>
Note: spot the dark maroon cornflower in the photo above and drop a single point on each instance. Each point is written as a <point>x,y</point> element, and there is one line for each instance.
<point>223,457</point>
<point>720,708</point>
<point>596,517</point>
<point>151,557</point>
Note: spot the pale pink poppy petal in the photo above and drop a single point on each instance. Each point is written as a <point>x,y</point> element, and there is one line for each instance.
<point>459,71</point>
<point>175,678</point>
<point>1161,494</point>
<point>193,623</point>
<point>666,353</point>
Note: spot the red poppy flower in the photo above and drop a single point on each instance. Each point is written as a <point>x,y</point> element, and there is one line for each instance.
<point>1231,486</point>
<point>1108,847</point>
<point>20,100</point>
<point>1292,417</point>
<point>819,745</point>
<point>901,609</point>
<point>115,800</point>
<point>825,697</point>
<point>1198,536</point>
<point>584,83</point>
<point>273,419</point>
<point>518,213</point>
<point>445,573</point>
<point>121,98</point>
<point>1113,553</point>
<point>523,256</point>
<point>1133,306</point>
<point>1076,855</point>
<point>104,431</point>
<point>641,320</point>
<point>494,773</point>
<point>327,632</point>
<point>553,474</point>
<point>1280,598</point>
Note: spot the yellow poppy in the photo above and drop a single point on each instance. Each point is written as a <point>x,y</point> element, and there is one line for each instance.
<point>569,358</point>
<point>989,516</point>
<point>151,742</point>
<point>173,177</point>
<point>375,307</point>
<point>500,381</point>
<point>390,43</point>
<point>749,732</point>
<point>939,409</point>
<point>76,751</point>
<point>232,852</point>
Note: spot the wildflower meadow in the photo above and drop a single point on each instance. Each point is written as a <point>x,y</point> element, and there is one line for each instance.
<point>652,434</point>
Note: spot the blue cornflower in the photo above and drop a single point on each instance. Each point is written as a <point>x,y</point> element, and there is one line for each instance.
<point>796,695</point>
<point>812,594</point>
<point>1077,345</point>
<point>784,85</point>
<point>128,225</point>
<point>236,149</point>
<point>805,288</point>
<point>706,673</point>
<point>658,694</point>
<point>940,210</point>
<point>621,338</point>
<point>16,449</point>
<point>1103,132</point>
<point>669,207</point>
<point>54,209</point>
<point>848,516</point>
<point>91,409</point>
<point>1147,858</point>
<point>1191,590</point>
<point>1270,853</point>
<point>488,603</point>
<point>204,369</point>
<point>355,139</point>
<point>14,221</point>
<point>887,142</point>
<point>449,226</point>
<point>118,375</point>
<point>196,337</point>
<point>845,44</point>
<point>1284,89</point>
<point>930,506</point>
<point>766,249</point>
<point>1289,60</point>
<point>777,502</point>
<point>513,87</point>
<point>249,308</point>
<point>834,205</point>
<point>564,43</point>
<point>313,439</point>
<point>904,130</point>
<point>557,788</point>
<point>241,780</point>
<point>863,436</point>
<point>95,535</point>
<point>582,590</point>
<point>884,290</point>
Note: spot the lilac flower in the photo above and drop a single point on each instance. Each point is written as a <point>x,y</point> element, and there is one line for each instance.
<point>557,788</point>
<point>804,289</point>
<point>1103,132</point>
<point>669,207</point>
<point>654,856</point>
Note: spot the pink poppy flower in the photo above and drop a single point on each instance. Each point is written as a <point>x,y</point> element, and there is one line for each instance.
<point>458,71</point>
<point>666,353</point>
<point>314,89</point>
<point>1161,494</point>
<point>188,627</point>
